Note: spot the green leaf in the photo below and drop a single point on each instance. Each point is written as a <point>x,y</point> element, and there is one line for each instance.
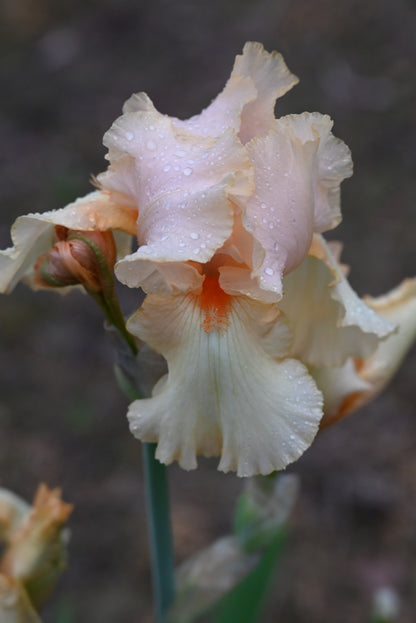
<point>246,601</point>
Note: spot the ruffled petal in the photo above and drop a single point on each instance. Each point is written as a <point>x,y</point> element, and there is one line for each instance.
<point>272,79</point>
<point>399,308</point>
<point>329,321</point>
<point>33,234</point>
<point>184,187</point>
<point>349,387</point>
<point>279,214</point>
<point>224,394</point>
<point>334,165</point>
<point>225,111</point>
<point>247,102</point>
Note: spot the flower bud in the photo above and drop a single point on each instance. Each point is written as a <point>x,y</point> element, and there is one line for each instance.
<point>78,257</point>
<point>34,541</point>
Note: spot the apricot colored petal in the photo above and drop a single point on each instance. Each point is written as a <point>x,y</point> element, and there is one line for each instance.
<point>279,213</point>
<point>329,321</point>
<point>224,395</point>
<point>33,234</point>
<point>334,165</point>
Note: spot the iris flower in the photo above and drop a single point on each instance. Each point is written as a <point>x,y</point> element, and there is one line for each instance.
<point>264,339</point>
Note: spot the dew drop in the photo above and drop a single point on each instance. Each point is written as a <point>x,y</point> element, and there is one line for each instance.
<point>151,145</point>
<point>166,168</point>
<point>129,136</point>
<point>187,171</point>
<point>269,271</point>
<point>263,206</point>
<point>194,235</point>
<point>180,153</point>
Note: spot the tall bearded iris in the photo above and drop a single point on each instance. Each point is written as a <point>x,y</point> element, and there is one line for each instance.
<point>245,300</point>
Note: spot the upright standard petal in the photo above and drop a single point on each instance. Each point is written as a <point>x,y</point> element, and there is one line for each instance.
<point>247,101</point>
<point>272,79</point>
<point>33,234</point>
<point>224,394</point>
<point>279,214</point>
<point>334,165</point>
<point>185,187</point>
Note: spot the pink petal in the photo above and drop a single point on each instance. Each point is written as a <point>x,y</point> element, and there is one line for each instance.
<point>279,214</point>
<point>334,165</point>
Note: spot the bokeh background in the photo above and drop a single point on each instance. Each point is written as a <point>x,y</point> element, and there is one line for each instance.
<point>66,67</point>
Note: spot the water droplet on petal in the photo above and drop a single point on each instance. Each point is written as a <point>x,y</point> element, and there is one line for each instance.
<point>151,145</point>
<point>263,206</point>
<point>187,171</point>
<point>269,271</point>
<point>129,136</point>
<point>166,168</point>
<point>194,235</point>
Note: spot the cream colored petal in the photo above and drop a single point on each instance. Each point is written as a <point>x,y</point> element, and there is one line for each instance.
<point>334,165</point>
<point>32,234</point>
<point>340,387</point>
<point>329,321</point>
<point>399,308</point>
<point>224,395</point>
<point>138,102</point>
<point>279,214</point>
<point>348,388</point>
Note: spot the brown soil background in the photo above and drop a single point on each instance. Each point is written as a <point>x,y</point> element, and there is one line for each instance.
<point>66,67</point>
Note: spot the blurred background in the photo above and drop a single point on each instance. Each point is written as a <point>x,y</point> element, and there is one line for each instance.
<point>66,67</point>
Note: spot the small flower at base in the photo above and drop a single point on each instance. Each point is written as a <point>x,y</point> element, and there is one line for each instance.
<point>78,257</point>
<point>34,540</point>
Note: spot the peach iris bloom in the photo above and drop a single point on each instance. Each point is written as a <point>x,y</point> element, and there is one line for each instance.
<point>261,332</point>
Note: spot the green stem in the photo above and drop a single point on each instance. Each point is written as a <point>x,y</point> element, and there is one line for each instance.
<point>157,499</point>
<point>159,531</point>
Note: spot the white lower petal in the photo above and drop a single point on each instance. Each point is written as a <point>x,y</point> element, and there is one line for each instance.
<point>224,395</point>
